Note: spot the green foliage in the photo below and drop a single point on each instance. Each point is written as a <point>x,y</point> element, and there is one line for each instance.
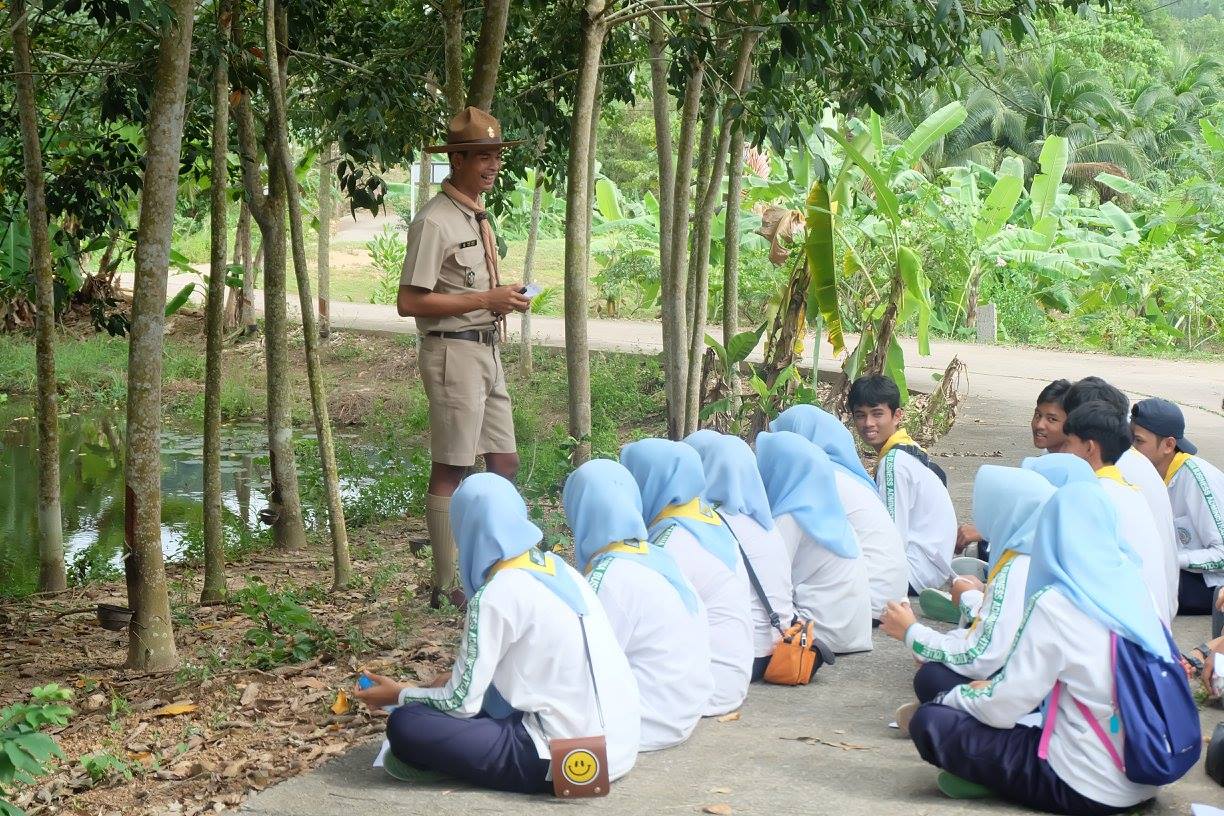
<point>103,765</point>
<point>24,749</point>
<point>284,630</point>
<point>387,251</point>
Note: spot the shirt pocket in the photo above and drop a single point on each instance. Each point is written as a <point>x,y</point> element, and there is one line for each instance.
<point>471,260</point>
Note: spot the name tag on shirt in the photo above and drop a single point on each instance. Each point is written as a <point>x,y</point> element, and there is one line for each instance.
<point>467,244</point>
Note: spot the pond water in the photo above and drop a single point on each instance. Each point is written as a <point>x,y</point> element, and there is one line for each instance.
<point>91,477</point>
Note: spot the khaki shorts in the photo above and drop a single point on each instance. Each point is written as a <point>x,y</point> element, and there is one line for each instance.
<point>469,407</point>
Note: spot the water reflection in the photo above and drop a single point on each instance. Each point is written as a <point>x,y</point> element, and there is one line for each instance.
<point>91,479</point>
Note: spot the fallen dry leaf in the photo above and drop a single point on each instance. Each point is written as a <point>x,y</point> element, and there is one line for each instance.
<point>249,695</point>
<point>174,709</point>
<point>717,810</point>
<point>722,791</point>
<point>732,717</point>
<point>341,706</point>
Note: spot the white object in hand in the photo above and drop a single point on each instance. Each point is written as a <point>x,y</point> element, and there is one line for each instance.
<point>532,290</point>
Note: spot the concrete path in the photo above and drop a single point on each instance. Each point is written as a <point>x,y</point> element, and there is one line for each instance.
<point>825,748</point>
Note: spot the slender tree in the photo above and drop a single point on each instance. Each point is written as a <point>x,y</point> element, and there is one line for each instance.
<point>327,162</point>
<point>487,58</point>
<point>51,573</point>
<point>533,234</point>
<point>151,634</point>
<point>214,541</point>
<point>731,238</point>
<point>276,27</point>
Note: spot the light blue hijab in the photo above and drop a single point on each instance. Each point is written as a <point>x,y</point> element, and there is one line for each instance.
<point>799,480</point>
<point>1077,551</point>
<point>1060,468</point>
<point>603,506</point>
<point>490,522</point>
<point>1006,503</point>
<point>732,479</point>
<point>670,473</point>
<point>826,432</point>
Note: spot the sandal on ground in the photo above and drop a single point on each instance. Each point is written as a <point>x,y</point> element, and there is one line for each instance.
<point>955,787</point>
<point>937,605</point>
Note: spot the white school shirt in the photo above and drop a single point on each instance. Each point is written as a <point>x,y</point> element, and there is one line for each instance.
<point>979,650</point>
<point>1058,642</point>
<point>883,550</point>
<point>1195,491</point>
<point>728,610</point>
<point>771,563</point>
<point>525,640</point>
<point>1139,471</point>
<point>668,647</point>
<point>922,510</point>
<point>1137,528</point>
<point>830,591</point>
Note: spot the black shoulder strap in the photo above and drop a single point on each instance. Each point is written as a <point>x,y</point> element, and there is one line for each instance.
<point>925,458</point>
<point>774,620</point>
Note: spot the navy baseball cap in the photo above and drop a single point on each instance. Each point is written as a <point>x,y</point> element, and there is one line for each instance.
<point>1163,418</point>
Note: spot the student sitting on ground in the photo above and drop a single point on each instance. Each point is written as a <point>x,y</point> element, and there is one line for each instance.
<point>1077,596</point>
<point>1135,468</point>
<point>827,568</point>
<point>1048,436</point>
<point>524,641</point>
<point>733,487</point>
<point>883,549</point>
<point>914,494</point>
<point>658,619</point>
<point>671,480</point>
<point>1060,469</point>
<point>1196,490</point>
<point>1098,435</point>
<point>1006,504</point>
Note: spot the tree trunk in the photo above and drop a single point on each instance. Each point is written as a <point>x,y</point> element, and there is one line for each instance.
<point>703,221</point>
<point>214,540</point>
<point>661,101</point>
<point>705,146</point>
<point>577,213</point>
<point>51,574</point>
<point>327,161</point>
<point>151,634</point>
<point>731,230</point>
<point>284,509</point>
<point>696,273</point>
<point>424,182</point>
<point>452,56</point>
<point>533,234</point>
<point>250,264</point>
<point>276,26</point>
<point>675,288</point>
<point>488,53</point>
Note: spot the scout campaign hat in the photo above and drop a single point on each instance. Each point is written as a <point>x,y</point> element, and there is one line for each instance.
<point>472,129</point>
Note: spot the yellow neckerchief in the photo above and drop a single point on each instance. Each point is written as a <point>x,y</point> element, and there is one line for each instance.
<point>1007,556</point>
<point>532,559</point>
<point>1179,459</point>
<point>695,510</point>
<point>638,548</point>
<point>901,437</point>
<point>1112,473</point>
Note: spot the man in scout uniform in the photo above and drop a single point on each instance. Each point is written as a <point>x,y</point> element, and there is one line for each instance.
<point>450,285</point>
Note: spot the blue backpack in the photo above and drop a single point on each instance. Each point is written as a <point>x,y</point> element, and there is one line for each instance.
<point>1153,707</point>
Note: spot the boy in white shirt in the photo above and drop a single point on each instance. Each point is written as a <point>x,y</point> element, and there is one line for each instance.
<point>912,487</point>
<point>1196,489</point>
<point>1098,435</point>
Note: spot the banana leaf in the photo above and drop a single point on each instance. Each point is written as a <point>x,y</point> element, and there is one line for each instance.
<point>930,130</point>
<point>822,270</point>
<point>998,206</point>
<point>886,200</point>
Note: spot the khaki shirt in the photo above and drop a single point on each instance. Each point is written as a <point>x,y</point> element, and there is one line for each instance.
<point>446,255</point>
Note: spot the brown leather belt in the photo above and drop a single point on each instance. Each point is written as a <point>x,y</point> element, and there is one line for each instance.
<point>486,336</point>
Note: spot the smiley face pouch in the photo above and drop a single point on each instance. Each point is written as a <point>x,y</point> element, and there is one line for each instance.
<point>580,764</point>
<point>579,767</point>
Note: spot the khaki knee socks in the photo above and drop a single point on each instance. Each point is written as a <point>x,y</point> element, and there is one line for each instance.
<point>437,520</point>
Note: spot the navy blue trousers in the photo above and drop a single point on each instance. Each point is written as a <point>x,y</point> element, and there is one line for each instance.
<point>934,679</point>
<point>759,665</point>
<point>1004,760</point>
<point>1194,597</point>
<point>483,751</point>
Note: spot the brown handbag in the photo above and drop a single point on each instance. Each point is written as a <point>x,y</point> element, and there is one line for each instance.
<point>798,655</point>
<point>580,764</point>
